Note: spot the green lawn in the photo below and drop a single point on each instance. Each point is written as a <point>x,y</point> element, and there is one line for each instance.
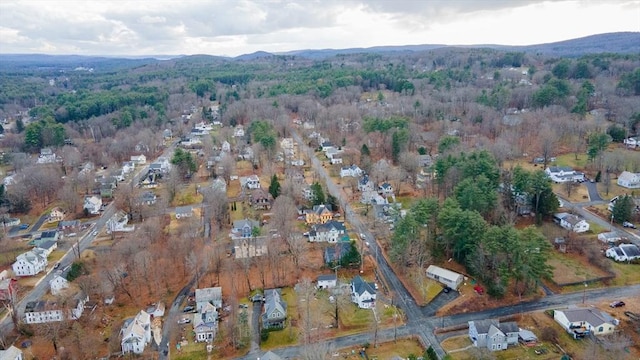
<point>567,269</point>
<point>626,274</point>
<point>192,351</point>
<point>355,317</point>
<point>570,160</point>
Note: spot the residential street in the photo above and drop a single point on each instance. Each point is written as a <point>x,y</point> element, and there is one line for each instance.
<point>84,242</point>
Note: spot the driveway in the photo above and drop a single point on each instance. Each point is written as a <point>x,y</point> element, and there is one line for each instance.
<point>593,191</point>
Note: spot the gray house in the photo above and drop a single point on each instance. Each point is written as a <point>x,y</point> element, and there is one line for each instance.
<point>275,309</point>
<point>493,335</point>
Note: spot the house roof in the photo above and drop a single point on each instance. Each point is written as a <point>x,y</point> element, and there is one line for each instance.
<point>209,294</point>
<point>273,301</point>
<point>320,209</point>
<point>443,273</point>
<point>47,244</point>
<point>69,223</point>
<point>630,250</point>
<point>184,210</point>
<point>527,335</point>
<point>483,326</point>
<point>12,353</point>
<point>573,220</point>
<point>592,316</point>
<point>628,176</point>
<point>509,327</point>
<point>327,277</point>
<point>336,252</point>
<point>329,225</point>
<point>360,286</point>
<point>270,356</point>
<point>239,224</point>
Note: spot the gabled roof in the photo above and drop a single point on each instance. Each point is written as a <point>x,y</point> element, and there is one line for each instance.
<point>184,210</point>
<point>273,302</point>
<point>239,224</point>
<point>329,225</point>
<point>209,294</point>
<point>630,250</point>
<point>592,316</point>
<point>327,277</point>
<point>360,286</point>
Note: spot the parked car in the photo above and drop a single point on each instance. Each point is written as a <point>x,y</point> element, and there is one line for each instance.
<point>628,225</point>
<point>617,304</point>
<point>188,309</point>
<point>57,265</point>
<point>184,321</point>
<point>243,306</point>
<point>24,226</point>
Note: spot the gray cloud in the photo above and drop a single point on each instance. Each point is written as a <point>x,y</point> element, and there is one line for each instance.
<point>188,26</point>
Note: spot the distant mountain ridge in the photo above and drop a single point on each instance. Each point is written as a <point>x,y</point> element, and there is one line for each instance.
<point>619,42</point>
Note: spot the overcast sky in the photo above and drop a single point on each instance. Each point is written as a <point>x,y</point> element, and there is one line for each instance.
<point>234,27</point>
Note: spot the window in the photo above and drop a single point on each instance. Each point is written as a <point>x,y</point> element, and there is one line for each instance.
<point>601,328</point>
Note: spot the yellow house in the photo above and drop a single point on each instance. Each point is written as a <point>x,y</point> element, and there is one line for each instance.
<point>320,214</point>
<point>56,215</point>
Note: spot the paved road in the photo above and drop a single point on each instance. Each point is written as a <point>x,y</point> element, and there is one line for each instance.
<point>429,324</point>
<point>401,297</point>
<point>6,325</point>
<point>420,320</point>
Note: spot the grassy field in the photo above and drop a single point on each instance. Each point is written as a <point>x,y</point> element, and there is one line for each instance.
<point>456,342</point>
<point>187,196</point>
<point>402,348</point>
<point>567,269</point>
<point>626,274</point>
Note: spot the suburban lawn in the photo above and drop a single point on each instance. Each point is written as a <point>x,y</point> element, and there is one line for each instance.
<point>427,288</point>
<point>626,274</point>
<point>192,351</point>
<point>456,342</point>
<point>568,269</point>
<point>288,335</point>
<point>401,348</point>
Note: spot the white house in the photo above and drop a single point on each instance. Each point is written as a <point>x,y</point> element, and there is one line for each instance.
<point>328,281</point>
<point>571,222</point>
<point>30,263</point>
<point>161,165</point>
<point>156,309</point>
<point>629,180</point>
<point>611,237</point>
<point>118,223</point>
<point>250,182</point>
<point>11,353</point>
<point>238,131</point>
<point>583,321</point>
<point>47,156</point>
<point>226,147</point>
<point>363,293</point>
<point>136,333</point>
<point>38,312</point>
<point>332,231</point>
<point>57,284</point>
<point>447,277</point>
<point>205,323</point>
<point>139,159</point>
<point>385,189</point>
<point>624,252</point>
<point>561,174</point>
<point>632,142</point>
<point>352,171</point>
<point>212,295</point>
<point>128,167</point>
<point>93,204</point>
<point>364,184</point>
<point>492,334</point>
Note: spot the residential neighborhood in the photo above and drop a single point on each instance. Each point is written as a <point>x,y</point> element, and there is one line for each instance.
<point>234,212</point>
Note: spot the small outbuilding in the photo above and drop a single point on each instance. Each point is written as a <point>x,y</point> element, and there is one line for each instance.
<point>447,277</point>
